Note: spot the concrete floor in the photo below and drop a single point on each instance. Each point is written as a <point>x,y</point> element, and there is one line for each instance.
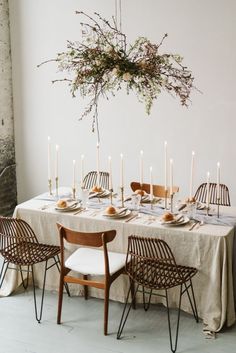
<point>82,329</point>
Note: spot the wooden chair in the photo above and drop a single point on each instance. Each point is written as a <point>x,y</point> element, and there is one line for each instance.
<point>19,246</point>
<point>201,194</point>
<point>158,190</point>
<point>88,261</point>
<point>90,180</point>
<point>151,265</point>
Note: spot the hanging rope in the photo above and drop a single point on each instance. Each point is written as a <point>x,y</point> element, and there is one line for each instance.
<point>118,9</point>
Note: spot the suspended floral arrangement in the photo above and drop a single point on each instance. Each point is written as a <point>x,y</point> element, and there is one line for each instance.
<point>103,63</point>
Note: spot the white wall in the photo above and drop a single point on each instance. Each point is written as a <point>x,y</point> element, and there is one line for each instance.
<point>202,31</point>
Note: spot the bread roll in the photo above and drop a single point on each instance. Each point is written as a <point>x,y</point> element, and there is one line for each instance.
<point>111,210</point>
<point>140,192</point>
<point>168,217</point>
<point>61,203</point>
<point>97,189</point>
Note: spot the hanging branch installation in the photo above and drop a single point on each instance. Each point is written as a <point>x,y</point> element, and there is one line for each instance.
<point>102,63</point>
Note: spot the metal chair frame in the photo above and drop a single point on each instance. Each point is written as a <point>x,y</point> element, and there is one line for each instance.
<point>19,246</point>
<point>151,266</point>
<point>90,180</point>
<point>201,194</point>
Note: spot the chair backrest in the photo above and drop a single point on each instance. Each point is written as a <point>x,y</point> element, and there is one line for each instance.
<point>158,190</point>
<point>96,240</point>
<point>201,194</point>
<point>90,180</point>
<point>151,263</point>
<point>15,231</point>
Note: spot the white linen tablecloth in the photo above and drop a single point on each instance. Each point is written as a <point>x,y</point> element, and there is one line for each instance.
<point>209,248</point>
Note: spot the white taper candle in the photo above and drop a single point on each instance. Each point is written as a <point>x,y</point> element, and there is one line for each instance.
<point>56,161</point>
<point>82,171</point>
<point>191,176</point>
<point>110,173</point>
<point>141,167</point>
<point>165,161</point>
<point>121,170</point>
<point>218,181</point>
<point>171,176</point>
<point>208,190</point>
<point>49,159</point>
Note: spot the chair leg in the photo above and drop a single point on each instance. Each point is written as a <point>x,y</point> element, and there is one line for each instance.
<point>125,316</point>
<point>27,279</point>
<point>57,261</point>
<point>85,277</point>
<point>146,305</point>
<point>3,271</point>
<point>132,293</point>
<point>39,316</point>
<point>173,348</point>
<point>60,297</point>
<point>106,307</point>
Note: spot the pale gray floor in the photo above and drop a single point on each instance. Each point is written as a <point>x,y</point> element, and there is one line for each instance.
<point>81,331</point>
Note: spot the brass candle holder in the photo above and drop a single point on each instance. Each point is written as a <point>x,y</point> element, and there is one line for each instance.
<point>111,196</point>
<point>57,186</point>
<point>171,202</point>
<point>122,196</point>
<point>165,199</point>
<point>74,193</point>
<point>218,207</point>
<point>50,186</point>
<point>151,198</point>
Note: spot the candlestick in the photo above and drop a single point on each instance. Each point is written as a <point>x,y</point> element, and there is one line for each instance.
<point>82,171</point>
<point>121,171</point>
<point>122,196</point>
<point>57,186</point>
<point>165,160</point>
<point>141,168</point>
<point>191,176</point>
<point>171,177</point>
<point>98,166</point>
<point>50,186</point>
<point>208,192</point>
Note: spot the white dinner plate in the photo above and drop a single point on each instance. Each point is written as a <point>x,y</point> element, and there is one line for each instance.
<point>118,215</point>
<point>183,221</point>
<point>101,194</point>
<point>72,206</point>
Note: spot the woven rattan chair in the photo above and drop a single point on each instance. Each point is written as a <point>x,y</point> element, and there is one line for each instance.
<point>201,194</point>
<point>90,261</point>
<point>90,180</point>
<point>151,266</point>
<point>158,190</point>
<point>19,246</point>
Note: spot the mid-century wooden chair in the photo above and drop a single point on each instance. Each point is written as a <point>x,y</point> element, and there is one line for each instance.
<point>89,261</point>
<point>151,265</point>
<point>158,190</point>
<point>19,246</point>
<point>201,194</point>
<point>90,180</point>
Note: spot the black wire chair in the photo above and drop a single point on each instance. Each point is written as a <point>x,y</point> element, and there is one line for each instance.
<point>151,266</point>
<point>201,194</point>
<point>90,180</point>
<point>19,246</point>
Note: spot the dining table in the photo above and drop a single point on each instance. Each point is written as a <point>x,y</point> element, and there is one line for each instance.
<point>208,246</point>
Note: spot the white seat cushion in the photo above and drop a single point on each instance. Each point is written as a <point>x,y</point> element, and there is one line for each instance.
<point>91,261</point>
